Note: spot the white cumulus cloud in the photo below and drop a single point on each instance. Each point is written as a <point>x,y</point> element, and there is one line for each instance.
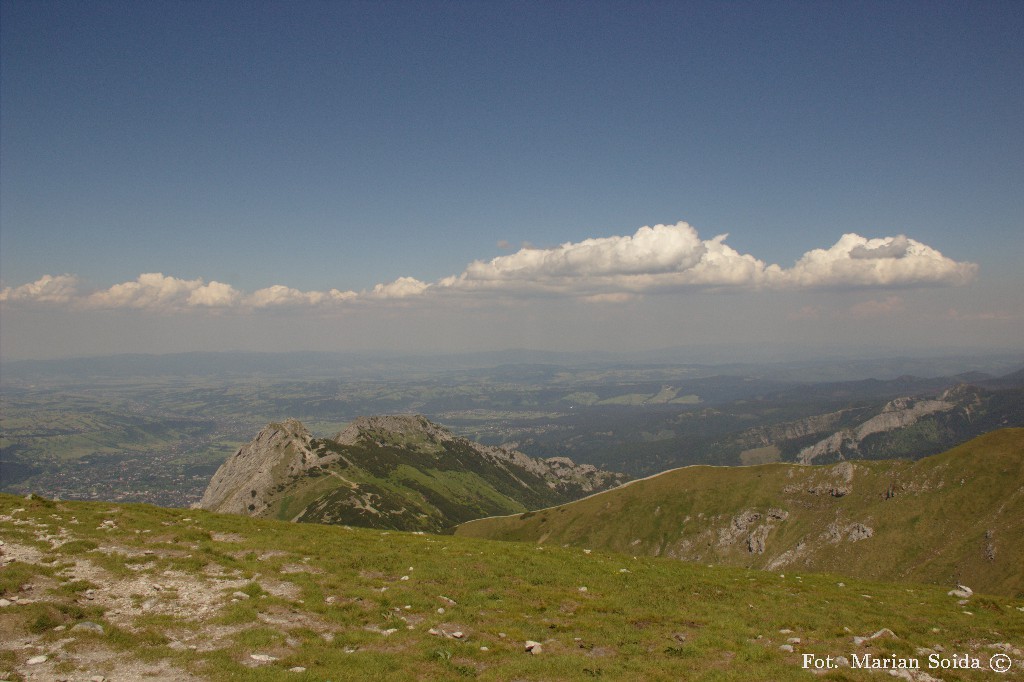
<point>149,290</point>
<point>280,295</point>
<point>46,289</point>
<point>662,248</point>
<point>673,257</point>
<point>214,295</point>
<point>403,287</point>
<point>659,258</point>
<point>855,261</point>
<point>662,258</point>
<point>156,291</point>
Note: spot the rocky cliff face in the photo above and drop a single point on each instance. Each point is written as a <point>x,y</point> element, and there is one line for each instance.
<point>800,428</point>
<point>241,485</point>
<point>393,471</point>
<point>897,414</point>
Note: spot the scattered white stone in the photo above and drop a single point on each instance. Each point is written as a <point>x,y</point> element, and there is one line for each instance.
<point>330,600</point>
<point>785,631</point>
<point>961,592</point>
<point>842,661</point>
<point>968,613</point>
<point>262,658</point>
<point>587,551</point>
<point>5,603</point>
<point>440,610</point>
<point>435,632</point>
<point>1008,648</point>
<point>404,577</point>
<point>36,660</point>
<point>583,588</point>
<point>624,570</point>
<point>389,631</point>
<point>458,634</point>
<point>884,632</point>
<point>793,640</point>
<point>533,647</point>
<point>297,669</point>
<point>840,584</point>
<point>446,600</point>
<point>97,678</point>
<point>914,675</point>
<point>89,626</point>
<point>788,648</point>
<point>237,595</point>
<point>502,635</point>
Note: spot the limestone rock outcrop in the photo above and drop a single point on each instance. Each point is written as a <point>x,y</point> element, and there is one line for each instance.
<point>393,471</point>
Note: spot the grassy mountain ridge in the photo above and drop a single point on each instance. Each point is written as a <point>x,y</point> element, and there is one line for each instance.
<point>140,592</point>
<point>396,472</point>
<point>947,518</point>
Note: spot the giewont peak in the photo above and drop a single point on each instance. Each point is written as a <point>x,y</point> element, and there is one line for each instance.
<point>387,427</point>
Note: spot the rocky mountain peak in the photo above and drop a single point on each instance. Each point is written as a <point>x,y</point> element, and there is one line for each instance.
<point>242,483</point>
<point>392,428</point>
<point>391,471</point>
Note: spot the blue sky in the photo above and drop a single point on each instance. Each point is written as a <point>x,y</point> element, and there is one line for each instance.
<point>492,164</point>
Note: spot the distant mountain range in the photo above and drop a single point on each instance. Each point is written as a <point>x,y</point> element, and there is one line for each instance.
<point>910,427</point>
<point>955,516</point>
<point>396,472</point>
<point>781,364</point>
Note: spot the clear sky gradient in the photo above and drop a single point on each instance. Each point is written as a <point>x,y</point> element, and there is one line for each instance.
<point>453,176</point>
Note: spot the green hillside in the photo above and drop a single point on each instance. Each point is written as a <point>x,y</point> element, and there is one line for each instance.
<point>953,517</point>
<point>390,472</point>
<point>131,592</point>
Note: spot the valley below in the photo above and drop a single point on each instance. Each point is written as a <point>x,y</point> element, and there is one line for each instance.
<point>155,428</point>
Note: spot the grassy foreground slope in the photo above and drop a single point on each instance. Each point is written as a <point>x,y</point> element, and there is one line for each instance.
<point>140,592</point>
<point>953,517</point>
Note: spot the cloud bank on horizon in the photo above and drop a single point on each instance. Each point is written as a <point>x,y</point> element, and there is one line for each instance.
<point>662,258</point>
